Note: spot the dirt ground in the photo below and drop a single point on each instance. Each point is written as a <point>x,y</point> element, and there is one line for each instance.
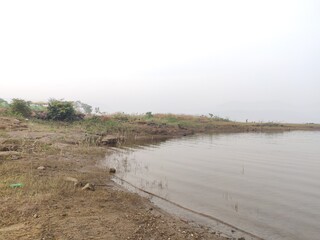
<point>52,164</point>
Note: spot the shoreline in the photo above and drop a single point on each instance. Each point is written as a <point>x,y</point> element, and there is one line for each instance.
<point>221,228</point>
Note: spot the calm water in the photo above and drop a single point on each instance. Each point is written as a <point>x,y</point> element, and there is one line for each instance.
<point>266,184</point>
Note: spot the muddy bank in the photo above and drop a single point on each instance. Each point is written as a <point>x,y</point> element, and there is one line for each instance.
<point>142,132</point>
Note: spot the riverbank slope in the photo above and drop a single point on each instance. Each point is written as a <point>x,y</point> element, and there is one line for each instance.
<point>43,169</point>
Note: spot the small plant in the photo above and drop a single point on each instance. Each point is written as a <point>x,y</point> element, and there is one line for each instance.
<point>61,111</point>
<point>20,107</point>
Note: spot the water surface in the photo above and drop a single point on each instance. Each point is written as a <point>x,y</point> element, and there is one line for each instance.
<point>266,184</point>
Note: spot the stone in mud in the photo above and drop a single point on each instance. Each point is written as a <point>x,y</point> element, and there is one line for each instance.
<point>41,168</point>
<point>88,187</point>
<point>71,179</point>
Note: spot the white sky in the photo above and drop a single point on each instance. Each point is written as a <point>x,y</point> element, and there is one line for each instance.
<point>237,58</point>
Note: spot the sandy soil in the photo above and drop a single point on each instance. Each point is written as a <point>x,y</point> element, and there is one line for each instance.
<point>51,203</point>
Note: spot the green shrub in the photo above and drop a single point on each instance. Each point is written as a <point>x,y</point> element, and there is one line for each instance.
<point>20,107</point>
<point>61,111</point>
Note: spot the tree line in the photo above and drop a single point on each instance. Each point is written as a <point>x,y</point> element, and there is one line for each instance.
<point>56,110</point>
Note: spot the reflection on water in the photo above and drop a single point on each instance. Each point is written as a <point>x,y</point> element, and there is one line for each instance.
<point>266,184</point>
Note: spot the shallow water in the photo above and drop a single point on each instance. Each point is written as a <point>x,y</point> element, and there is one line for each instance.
<point>265,184</point>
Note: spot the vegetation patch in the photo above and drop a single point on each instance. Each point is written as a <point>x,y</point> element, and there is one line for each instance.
<point>20,107</point>
<point>61,111</point>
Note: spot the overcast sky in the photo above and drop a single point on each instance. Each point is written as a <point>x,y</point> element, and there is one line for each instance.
<point>256,60</point>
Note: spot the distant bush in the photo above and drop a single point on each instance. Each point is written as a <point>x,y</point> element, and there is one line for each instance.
<point>61,111</point>
<point>149,114</point>
<point>20,107</point>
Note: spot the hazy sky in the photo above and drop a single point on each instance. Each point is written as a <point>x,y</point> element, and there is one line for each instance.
<point>241,59</point>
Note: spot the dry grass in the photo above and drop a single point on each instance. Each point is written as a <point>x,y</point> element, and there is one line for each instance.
<point>61,160</point>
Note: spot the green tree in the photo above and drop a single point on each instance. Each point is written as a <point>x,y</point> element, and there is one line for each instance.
<point>3,103</point>
<point>61,111</point>
<point>83,107</point>
<point>20,107</point>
